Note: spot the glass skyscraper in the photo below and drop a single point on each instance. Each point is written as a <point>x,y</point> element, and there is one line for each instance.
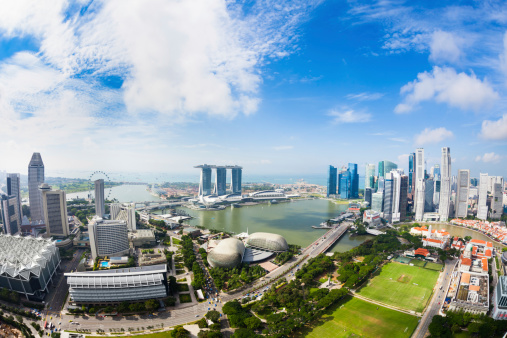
<point>354,181</point>
<point>411,169</point>
<point>331,181</point>
<point>35,179</point>
<point>345,184</point>
<point>369,177</point>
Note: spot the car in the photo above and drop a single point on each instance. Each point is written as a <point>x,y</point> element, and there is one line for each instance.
<point>196,316</point>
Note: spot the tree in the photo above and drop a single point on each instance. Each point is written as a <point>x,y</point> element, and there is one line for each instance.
<point>252,323</point>
<point>92,310</point>
<point>180,332</point>
<point>439,327</point>
<point>213,315</point>
<point>468,238</point>
<point>245,333</point>
<point>151,304</point>
<point>232,307</point>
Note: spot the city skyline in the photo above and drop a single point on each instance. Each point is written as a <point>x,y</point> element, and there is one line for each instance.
<point>367,82</point>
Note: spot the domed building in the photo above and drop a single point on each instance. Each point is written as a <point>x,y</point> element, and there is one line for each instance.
<point>227,254</point>
<point>267,241</point>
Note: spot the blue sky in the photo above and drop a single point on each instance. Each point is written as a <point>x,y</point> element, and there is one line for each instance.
<point>280,87</point>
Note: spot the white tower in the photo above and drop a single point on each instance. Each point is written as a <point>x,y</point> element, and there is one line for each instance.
<point>445,185</point>
<point>419,184</point>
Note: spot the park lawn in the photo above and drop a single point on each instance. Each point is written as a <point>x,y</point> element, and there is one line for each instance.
<point>434,266</point>
<point>185,298</point>
<point>417,262</point>
<point>396,285</point>
<point>183,287</point>
<point>353,317</point>
<point>176,241</point>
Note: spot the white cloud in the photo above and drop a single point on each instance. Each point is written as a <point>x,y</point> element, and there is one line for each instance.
<point>444,85</point>
<point>488,158</point>
<point>280,148</point>
<point>495,130</point>
<point>397,139</point>
<point>503,55</point>
<point>436,135</point>
<point>365,96</point>
<point>349,116</point>
<point>444,46</point>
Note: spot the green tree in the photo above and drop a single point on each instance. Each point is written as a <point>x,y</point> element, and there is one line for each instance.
<point>468,238</point>
<point>180,332</point>
<point>232,307</point>
<point>252,323</point>
<point>245,333</point>
<point>439,327</point>
<point>213,315</point>
<point>151,304</point>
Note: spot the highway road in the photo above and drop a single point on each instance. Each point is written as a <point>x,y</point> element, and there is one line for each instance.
<point>436,301</point>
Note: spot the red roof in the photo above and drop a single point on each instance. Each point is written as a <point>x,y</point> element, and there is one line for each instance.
<point>478,241</point>
<point>466,261</point>
<point>422,252</point>
<point>432,240</point>
<point>485,264</point>
<point>487,252</point>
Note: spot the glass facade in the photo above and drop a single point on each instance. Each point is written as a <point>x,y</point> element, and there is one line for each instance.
<point>345,184</point>
<point>331,181</point>
<point>411,168</point>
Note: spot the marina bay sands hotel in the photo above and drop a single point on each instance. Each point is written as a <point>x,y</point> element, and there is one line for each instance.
<point>220,179</point>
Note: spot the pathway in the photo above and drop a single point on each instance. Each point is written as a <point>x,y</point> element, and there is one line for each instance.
<point>412,313</point>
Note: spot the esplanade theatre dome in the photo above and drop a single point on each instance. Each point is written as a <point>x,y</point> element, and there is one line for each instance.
<point>267,241</point>
<point>227,254</point>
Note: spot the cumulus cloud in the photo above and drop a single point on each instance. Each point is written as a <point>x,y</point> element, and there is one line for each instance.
<point>349,116</point>
<point>444,47</point>
<point>488,158</point>
<point>436,135</point>
<point>444,85</point>
<point>503,55</point>
<point>495,130</point>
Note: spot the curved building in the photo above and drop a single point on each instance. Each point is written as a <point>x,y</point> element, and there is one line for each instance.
<point>227,254</point>
<point>267,195</point>
<point>504,258</point>
<point>267,241</point>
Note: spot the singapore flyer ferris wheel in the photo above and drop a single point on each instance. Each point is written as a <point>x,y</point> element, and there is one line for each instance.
<point>97,175</point>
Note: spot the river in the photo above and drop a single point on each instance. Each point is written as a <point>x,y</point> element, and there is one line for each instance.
<point>123,193</point>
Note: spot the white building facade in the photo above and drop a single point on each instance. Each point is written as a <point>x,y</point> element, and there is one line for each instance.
<point>482,206</point>
<point>419,185</point>
<point>445,185</point>
<point>462,193</point>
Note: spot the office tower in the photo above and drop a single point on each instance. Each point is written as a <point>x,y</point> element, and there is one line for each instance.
<point>497,201</point>
<point>236,173</point>
<point>385,167</point>
<point>396,190</point>
<point>35,179</point>
<point>381,184</point>
<point>11,215</point>
<point>482,206</point>
<point>368,192</point>
<point>54,204</point>
<point>205,180</point>
<point>436,171</point>
<point>220,181</point>
<point>108,238</point>
<point>377,201</point>
<point>124,212</point>
<point>345,183</point>
<point>14,189</point>
<point>381,169</point>
<point>474,182</point>
<point>100,206</point>
<point>403,200</point>
<point>436,194</point>
<point>429,189</point>
<point>411,172</point>
<point>445,185</point>
<point>461,204</point>
<point>332,177</point>
<point>491,182</point>
<point>388,197</point>
<point>419,188</point>
<point>369,177</point>
<point>354,181</point>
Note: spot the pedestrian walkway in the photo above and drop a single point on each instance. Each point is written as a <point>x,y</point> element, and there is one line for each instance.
<point>412,313</point>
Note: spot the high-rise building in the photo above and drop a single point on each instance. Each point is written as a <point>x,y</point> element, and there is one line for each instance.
<point>100,204</point>
<point>482,206</point>
<point>205,181</point>
<point>124,212</point>
<point>388,197</point>
<point>377,201</point>
<point>474,182</point>
<point>436,193</point>
<point>403,200</point>
<point>396,185</point>
<point>368,192</point>
<point>497,201</point>
<point>419,188</point>
<point>436,171</point>
<point>429,189</point>
<point>411,174</point>
<point>354,181</point>
<point>11,215</point>
<point>332,177</point>
<point>345,184</point>
<point>445,185</point>
<point>108,238</point>
<point>369,177</point>
<point>54,204</point>
<point>461,204</point>
<point>385,167</point>
<point>35,179</point>
<point>14,189</point>
<point>491,182</point>
<point>220,181</point>
<point>236,173</point>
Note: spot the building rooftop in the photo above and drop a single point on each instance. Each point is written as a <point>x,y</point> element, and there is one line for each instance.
<point>132,271</point>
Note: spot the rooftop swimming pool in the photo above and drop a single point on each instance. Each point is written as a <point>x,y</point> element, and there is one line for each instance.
<point>104,264</point>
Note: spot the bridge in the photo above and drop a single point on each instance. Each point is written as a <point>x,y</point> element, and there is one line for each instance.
<point>327,240</point>
<point>163,205</point>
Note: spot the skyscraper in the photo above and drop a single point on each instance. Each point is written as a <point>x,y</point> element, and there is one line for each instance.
<point>445,185</point>
<point>354,181</point>
<point>345,183</point>
<point>385,167</point>
<point>436,193</point>
<point>429,189</point>
<point>220,181</point>
<point>403,199</point>
<point>388,197</point>
<point>377,201</point>
<point>369,177</point>
<point>411,174</point>
<point>482,206</point>
<point>236,173</point>
<point>14,189</point>
<point>436,172</point>
<point>368,192</point>
<point>419,188</point>
<point>100,206</point>
<point>55,211</point>
<point>331,181</point>
<point>11,216</point>
<point>108,238</point>
<point>461,204</point>
<point>396,185</point>
<point>497,201</point>
<point>205,181</point>
<point>35,179</point>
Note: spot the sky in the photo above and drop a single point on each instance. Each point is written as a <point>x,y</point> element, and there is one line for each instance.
<point>279,87</point>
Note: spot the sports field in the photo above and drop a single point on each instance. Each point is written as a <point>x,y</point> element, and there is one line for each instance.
<point>404,286</point>
<point>433,266</point>
<point>353,317</point>
<point>417,262</point>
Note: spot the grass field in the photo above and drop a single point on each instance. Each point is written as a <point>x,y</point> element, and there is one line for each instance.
<point>417,262</point>
<point>433,266</point>
<point>353,317</point>
<point>404,286</point>
<point>185,298</point>
<point>183,287</point>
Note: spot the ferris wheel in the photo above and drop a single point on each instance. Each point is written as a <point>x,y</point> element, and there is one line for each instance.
<point>97,175</point>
